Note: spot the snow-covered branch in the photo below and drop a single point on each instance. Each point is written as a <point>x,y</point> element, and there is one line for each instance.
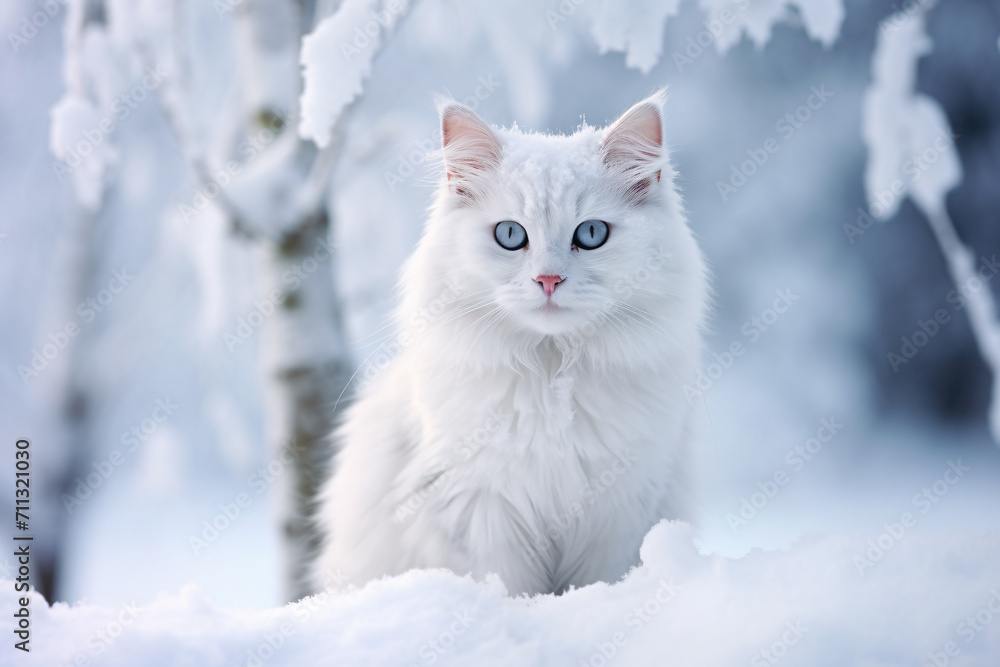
<point>636,28</point>
<point>912,153</point>
<point>337,58</point>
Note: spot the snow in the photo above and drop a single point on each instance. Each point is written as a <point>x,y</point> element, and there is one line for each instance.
<point>821,18</point>
<point>79,137</point>
<point>729,20</point>
<point>899,125</point>
<point>337,58</point>
<point>71,117</point>
<point>819,603</point>
<point>634,28</point>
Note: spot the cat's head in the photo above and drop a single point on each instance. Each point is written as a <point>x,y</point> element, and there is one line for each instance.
<point>561,232</point>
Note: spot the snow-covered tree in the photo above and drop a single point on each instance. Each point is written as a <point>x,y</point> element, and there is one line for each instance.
<point>250,164</point>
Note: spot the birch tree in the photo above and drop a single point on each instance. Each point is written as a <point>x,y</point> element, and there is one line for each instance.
<point>272,185</point>
<point>278,201</point>
<point>62,384</point>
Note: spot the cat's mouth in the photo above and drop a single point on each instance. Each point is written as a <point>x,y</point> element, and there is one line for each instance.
<point>550,318</point>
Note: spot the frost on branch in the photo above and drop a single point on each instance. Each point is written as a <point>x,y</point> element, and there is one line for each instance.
<point>337,58</point>
<point>636,28</point>
<point>77,135</point>
<point>103,74</point>
<point>730,19</point>
<point>72,117</point>
<point>911,152</point>
<point>910,144</point>
<point>633,28</point>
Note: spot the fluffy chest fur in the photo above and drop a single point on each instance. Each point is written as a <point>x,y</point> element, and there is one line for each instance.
<point>549,480</point>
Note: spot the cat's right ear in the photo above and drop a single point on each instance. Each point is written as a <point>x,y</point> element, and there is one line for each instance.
<point>632,147</point>
<point>471,150</point>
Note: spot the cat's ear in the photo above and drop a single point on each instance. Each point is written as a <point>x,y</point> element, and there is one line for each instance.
<point>470,148</point>
<point>632,147</point>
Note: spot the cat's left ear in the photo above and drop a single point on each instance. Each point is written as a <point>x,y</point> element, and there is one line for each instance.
<point>470,147</point>
<point>633,145</point>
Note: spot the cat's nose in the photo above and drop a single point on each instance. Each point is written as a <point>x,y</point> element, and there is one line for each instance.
<point>548,283</point>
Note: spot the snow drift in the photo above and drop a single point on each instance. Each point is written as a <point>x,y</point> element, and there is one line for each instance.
<point>891,599</point>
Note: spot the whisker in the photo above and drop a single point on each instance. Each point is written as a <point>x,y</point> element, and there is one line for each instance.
<point>394,318</point>
<point>459,334</point>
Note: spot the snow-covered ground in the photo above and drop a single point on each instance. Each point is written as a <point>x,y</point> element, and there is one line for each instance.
<point>897,599</point>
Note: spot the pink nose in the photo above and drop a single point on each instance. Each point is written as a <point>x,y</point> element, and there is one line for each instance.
<point>548,283</point>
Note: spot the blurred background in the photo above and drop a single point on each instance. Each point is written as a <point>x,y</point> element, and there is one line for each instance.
<point>157,193</point>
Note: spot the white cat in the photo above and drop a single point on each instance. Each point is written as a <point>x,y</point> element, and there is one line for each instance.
<point>534,423</point>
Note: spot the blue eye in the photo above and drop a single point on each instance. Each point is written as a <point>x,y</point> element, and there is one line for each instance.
<point>510,235</point>
<point>591,234</point>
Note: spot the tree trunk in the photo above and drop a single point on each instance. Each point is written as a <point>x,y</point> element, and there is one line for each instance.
<point>305,359</point>
<point>307,367</point>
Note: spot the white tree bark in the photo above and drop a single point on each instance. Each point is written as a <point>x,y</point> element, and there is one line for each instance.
<point>307,366</point>
<point>279,202</point>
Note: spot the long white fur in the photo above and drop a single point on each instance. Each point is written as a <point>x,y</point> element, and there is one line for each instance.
<point>505,438</point>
